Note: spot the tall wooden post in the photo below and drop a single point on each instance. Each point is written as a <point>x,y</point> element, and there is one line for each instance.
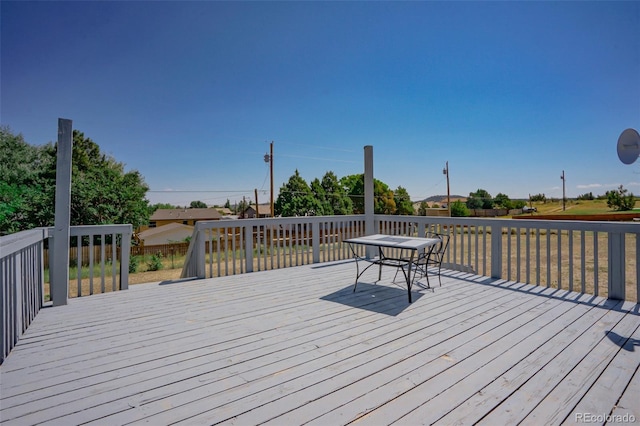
<point>369,211</point>
<point>60,253</point>
<point>256,194</point>
<point>448,190</point>
<point>271,170</point>
<point>564,197</point>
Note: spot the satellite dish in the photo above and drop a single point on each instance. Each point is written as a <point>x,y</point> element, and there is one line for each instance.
<point>629,146</point>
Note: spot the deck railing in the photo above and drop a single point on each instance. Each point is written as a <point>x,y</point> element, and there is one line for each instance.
<point>107,262</point>
<point>22,273</point>
<point>21,284</point>
<point>220,248</point>
<point>598,258</point>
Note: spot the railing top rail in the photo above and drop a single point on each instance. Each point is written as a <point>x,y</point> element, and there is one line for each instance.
<point>13,243</point>
<point>78,230</point>
<point>571,225</point>
<point>208,224</point>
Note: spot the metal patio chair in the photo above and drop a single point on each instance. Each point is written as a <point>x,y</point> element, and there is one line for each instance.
<point>431,258</point>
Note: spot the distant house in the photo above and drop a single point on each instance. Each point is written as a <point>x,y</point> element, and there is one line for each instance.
<point>165,234</point>
<point>443,202</point>
<point>183,216</point>
<point>264,210</point>
<point>224,211</point>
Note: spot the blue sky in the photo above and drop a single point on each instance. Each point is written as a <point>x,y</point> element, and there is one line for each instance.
<point>191,93</point>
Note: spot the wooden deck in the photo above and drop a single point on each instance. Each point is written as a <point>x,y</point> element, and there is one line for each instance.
<point>296,346</point>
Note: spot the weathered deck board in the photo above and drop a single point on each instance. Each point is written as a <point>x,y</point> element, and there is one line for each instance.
<point>296,345</point>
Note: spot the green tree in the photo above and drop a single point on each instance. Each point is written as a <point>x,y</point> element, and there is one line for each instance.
<point>336,195</point>
<point>404,206</point>
<point>242,206</point>
<point>518,204</point>
<point>157,206</point>
<point>459,209</point>
<point>101,191</point>
<point>27,185</point>
<point>382,195</point>
<point>422,210</point>
<point>321,196</point>
<point>480,199</point>
<point>296,199</point>
<point>538,197</point>
<point>586,196</point>
<point>503,200</point>
<point>198,205</point>
<point>619,200</point>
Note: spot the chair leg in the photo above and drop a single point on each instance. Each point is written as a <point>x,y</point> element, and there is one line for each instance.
<point>426,275</point>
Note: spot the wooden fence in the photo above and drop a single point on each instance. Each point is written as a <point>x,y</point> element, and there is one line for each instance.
<point>176,249</point>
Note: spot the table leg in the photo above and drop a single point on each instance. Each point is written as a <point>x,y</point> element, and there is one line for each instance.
<point>380,266</point>
<point>409,274</point>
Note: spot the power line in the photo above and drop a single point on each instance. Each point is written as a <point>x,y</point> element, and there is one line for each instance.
<point>178,191</point>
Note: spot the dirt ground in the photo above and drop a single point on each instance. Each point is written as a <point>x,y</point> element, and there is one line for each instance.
<point>154,276</point>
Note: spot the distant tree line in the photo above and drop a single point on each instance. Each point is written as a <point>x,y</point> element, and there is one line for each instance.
<point>333,196</point>
<point>481,199</point>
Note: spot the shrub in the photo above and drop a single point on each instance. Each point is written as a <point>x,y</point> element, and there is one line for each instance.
<point>459,209</point>
<point>619,200</point>
<point>156,262</point>
<point>134,262</point>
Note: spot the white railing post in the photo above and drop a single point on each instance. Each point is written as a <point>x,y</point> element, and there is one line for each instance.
<point>125,251</point>
<point>616,285</point>
<point>315,241</point>
<point>248,247</point>
<point>200,254</point>
<point>18,296</point>
<point>60,253</point>
<point>496,251</point>
<point>369,210</point>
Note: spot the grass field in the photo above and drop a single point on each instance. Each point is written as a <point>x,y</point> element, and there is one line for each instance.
<point>574,207</point>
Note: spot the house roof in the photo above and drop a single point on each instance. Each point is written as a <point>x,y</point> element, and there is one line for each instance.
<point>263,209</point>
<point>224,211</point>
<point>185,214</point>
<point>164,228</point>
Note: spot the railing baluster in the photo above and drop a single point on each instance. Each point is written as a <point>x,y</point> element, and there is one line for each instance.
<point>537,256</point>
<point>559,259</point>
<point>114,262</point>
<point>570,260</point>
<point>527,250</point>
<point>583,266</point>
<point>91,256</point>
<point>509,231</point>
<point>548,257</point>
<point>596,279</point>
<point>102,260</point>
<point>79,264</point>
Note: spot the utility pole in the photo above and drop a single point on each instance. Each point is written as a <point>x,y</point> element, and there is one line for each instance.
<point>445,171</point>
<point>256,192</point>
<point>271,171</point>
<point>563,192</point>
<point>268,158</point>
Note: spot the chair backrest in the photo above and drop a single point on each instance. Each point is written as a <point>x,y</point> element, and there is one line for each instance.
<point>444,244</point>
<point>441,247</point>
